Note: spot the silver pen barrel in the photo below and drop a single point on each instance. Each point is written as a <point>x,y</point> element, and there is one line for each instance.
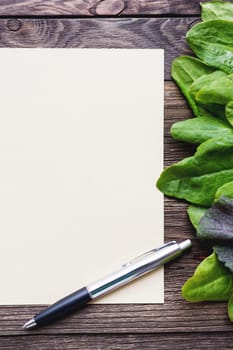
<point>137,267</point>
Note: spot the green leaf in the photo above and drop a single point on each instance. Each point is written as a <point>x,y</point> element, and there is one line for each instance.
<point>218,90</point>
<point>197,178</point>
<point>185,70</point>
<point>211,281</point>
<point>229,112</point>
<point>195,214</point>
<point>217,10</point>
<point>205,80</point>
<point>212,42</point>
<point>225,190</point>
<point>209,101</point>
<point>217,223</point>
<point>200,129</point>
<point>230,308</point>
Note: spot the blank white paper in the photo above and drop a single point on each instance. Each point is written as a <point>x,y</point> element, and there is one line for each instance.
<point>81,147</point>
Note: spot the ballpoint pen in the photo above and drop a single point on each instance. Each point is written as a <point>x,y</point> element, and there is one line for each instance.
<point>127,273</point>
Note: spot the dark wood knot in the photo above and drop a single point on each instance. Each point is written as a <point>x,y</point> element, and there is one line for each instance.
<point>13,24</point>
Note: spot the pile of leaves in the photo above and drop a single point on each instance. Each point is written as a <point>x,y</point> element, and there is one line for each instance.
<point>206,179</point>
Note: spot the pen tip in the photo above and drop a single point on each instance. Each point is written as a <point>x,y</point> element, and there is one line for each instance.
<point>30,324</point>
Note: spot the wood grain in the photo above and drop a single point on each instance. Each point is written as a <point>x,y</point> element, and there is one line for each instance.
<point>121,342</point>
<point>175,315</point>
<point>98,7</point>
<point>175,324</point>
<point>166,33</point>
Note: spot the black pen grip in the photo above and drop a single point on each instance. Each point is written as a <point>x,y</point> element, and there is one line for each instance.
<point>63,307</point>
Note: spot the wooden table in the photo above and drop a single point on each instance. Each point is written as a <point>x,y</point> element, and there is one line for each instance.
<point>121,24</point>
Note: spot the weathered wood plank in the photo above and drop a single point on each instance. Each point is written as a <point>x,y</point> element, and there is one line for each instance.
<point>167,33</point>
<point>182,341</point>
<point>98,7</point>
<point>172,317</point>
<point>175,315</point>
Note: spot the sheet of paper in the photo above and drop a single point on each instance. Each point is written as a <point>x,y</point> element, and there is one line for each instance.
<point>81,147</point>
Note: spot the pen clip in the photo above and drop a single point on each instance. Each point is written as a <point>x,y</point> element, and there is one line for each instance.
<point>147,254</point>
